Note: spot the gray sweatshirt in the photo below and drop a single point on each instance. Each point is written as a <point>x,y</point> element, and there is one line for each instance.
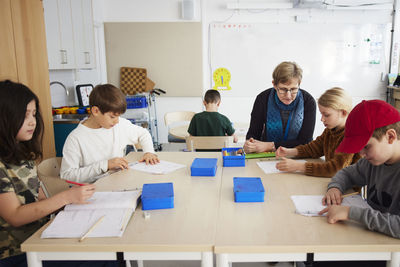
<point>383,194</point>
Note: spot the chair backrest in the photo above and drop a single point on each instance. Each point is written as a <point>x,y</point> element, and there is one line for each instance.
<point>171,117</point>
<point>49,174</point>
<point>208,142</point>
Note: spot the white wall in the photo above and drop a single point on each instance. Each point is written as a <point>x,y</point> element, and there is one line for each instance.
<point>206,11</point>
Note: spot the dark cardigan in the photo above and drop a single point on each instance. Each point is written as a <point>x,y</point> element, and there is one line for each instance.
<point>259,119</point>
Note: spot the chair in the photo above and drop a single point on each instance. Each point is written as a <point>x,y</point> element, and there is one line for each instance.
<point>177,118</point>
<point>208,142</point>
<point>49,175</point>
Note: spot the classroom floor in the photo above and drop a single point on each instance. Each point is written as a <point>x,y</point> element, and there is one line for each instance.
<point>180,147</point>
<point>197,264</point>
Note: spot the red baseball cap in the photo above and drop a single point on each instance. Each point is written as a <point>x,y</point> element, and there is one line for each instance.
<point>362,122</point>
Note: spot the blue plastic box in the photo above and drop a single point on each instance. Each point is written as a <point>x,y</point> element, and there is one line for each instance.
<point>158,196</point>
<point>248,189</point>
<point>204,167</point>
<point>136,102</point>
<point>233,160</point>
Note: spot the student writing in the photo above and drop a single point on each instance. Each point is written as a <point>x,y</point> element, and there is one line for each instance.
<point>98,143</point>
<point>23,206</point>
<point>211,122</point>
<point>335,105</point>
<point>373,129</point>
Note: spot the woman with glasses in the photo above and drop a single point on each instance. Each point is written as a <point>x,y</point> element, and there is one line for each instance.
<point>283,115</point>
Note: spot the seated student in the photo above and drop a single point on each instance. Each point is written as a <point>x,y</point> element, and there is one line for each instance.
<point>334,106</point>
<point>211,122</point>
<point>373,130</point>
<point>23,205</point>
<point>99,142</point>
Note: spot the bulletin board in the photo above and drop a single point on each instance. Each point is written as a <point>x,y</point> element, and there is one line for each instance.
<point>170,51</point>
<point>352,56</point>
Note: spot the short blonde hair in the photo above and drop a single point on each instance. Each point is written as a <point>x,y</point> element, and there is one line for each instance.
<point>336,98</point>
<point>286,71</point>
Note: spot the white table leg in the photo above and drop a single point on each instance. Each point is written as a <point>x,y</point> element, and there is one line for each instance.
<point>140,263</point>
<point>206,259</point>
<point>33,260</point>
<point>222,260</point>
<point>394,260</point>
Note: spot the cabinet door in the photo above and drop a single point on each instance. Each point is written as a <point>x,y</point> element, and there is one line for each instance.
<point>60,43</point>
<point>8,66</point>
<point>83,33</point>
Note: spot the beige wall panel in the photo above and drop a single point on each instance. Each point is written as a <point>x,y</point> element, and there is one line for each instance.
<point>170,51</point>
<point>8,65</point>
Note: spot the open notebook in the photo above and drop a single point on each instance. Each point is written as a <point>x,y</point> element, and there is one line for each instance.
<point>76,220</point>
<point>311,205</point>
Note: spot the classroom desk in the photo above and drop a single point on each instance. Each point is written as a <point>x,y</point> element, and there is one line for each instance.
<point>271,231</point>
<point>186,232</point>
<point>180,132</point>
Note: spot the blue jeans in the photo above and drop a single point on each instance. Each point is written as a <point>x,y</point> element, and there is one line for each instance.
<point>20,261</point>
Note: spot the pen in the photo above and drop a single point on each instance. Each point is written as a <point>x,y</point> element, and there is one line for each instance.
<point>350,194</point>
<point>75,183</point>
<point>91,228</point>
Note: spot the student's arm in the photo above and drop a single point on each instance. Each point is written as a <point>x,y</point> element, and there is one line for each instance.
<point>70,165</point>
<point>314,149</point>
<point>140,135</point>
<point>192,127</point>
<point>307,130</point>
<point>17,215</point>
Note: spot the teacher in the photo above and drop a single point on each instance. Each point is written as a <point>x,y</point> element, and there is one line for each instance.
<point>283,115</point>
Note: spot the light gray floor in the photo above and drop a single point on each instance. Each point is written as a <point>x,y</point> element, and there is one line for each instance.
<point>180,147</point>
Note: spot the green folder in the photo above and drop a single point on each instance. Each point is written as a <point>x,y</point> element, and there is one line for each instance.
<point>260,155</point>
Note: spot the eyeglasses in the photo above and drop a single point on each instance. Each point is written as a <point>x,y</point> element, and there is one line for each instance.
<point>284,91</point>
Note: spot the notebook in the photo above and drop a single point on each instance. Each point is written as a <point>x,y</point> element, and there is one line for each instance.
<point>75,220</point>
<point>311,205</point>
<point>270,166</point>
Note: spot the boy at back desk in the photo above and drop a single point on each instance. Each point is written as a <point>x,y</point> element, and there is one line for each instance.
<point>373,129</point>
<point>211,122</point>
<point>98,144</point>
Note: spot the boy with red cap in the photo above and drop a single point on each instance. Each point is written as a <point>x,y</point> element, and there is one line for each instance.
<point>373,130</point>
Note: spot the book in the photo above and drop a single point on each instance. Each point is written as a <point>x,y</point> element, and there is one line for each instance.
<point>311,205</point>
<point>76,219</point>
<point>260,155</point>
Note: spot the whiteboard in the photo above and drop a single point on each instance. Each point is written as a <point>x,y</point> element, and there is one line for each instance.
<point>352,56</point>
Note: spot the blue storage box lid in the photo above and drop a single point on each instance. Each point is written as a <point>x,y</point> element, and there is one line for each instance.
<point>204,167</point>
<point>158,191</point>
<point>248,189</point>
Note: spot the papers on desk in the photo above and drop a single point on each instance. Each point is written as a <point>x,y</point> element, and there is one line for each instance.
<point>311,205</point>
<point>163,167</point>
<point>268,166</point>
<point>75,220</point>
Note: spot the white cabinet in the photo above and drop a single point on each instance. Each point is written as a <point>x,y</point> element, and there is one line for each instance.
<point>82,20</point>
<point>59,34</point>
<point>69,33</point>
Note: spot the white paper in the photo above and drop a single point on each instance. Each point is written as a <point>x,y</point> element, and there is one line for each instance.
<point>163,167</point>
<point>268,166</point>
<point>75,220</point>
<point>311,205</point>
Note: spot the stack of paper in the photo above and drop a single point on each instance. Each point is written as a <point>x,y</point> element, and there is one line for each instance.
<point>163,167</point>
<point>311,205</point>
<point>76,220</point>
<point>270,166</point>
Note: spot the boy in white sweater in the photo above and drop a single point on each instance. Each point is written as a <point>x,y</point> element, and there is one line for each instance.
<point>98,143</point>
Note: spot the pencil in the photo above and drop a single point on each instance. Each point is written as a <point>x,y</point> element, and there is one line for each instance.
<point>92,228</point>
<point>75,183</point>
<point>350,194</point>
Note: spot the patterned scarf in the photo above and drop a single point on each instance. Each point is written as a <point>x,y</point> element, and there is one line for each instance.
<point>274,130</point>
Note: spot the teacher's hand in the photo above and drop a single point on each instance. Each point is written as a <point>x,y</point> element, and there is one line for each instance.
<point>255,146</point>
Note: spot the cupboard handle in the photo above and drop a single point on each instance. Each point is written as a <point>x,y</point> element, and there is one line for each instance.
<point>64,58</point>
<point>87,57</point>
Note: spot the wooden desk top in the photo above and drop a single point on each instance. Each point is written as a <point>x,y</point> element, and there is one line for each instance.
<point>180,132</point>
<point>273,227</point>
<point>189,226</point>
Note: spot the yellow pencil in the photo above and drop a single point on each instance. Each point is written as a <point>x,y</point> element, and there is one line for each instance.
<point>350,194</point>
<point>125,220</point>
<point>91,228</point>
